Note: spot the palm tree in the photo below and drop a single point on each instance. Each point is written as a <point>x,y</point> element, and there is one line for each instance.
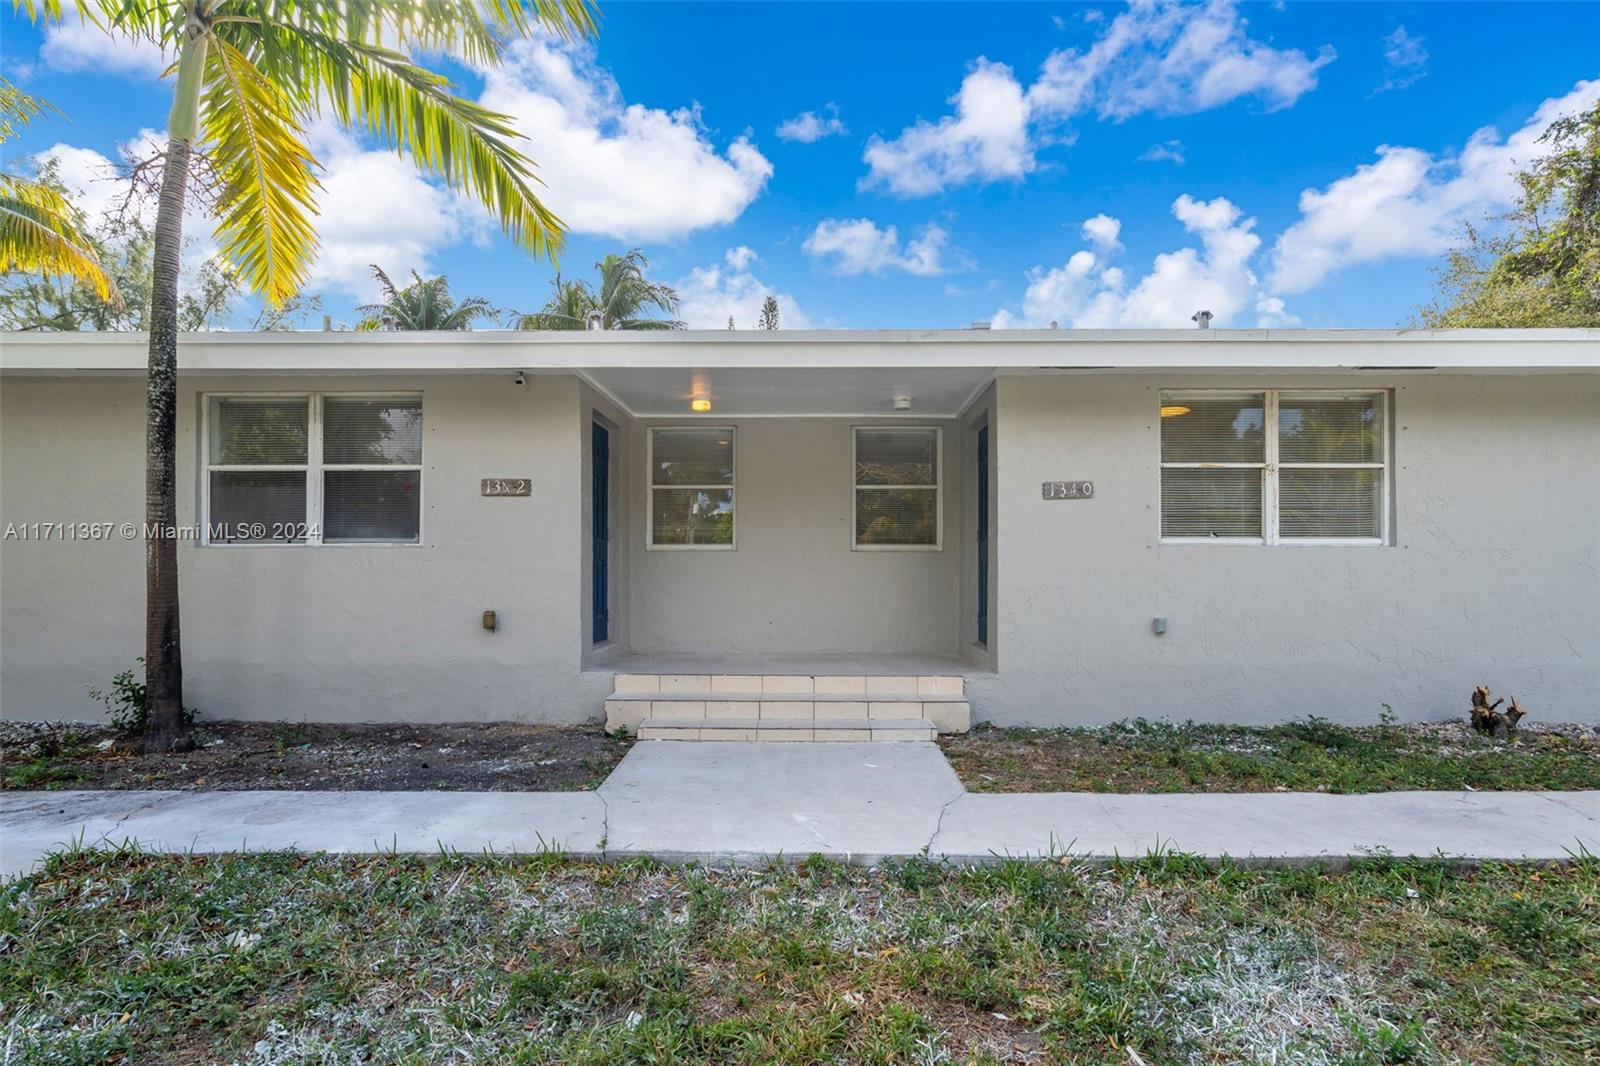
<point>251,76</point>
<point>425,304</point>
<point>624,296</point>
<point>40,231</point>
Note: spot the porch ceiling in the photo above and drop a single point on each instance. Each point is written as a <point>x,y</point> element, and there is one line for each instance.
<point>792,392</point>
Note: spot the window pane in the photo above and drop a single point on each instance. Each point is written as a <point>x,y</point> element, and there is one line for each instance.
<point>692,516</point>
<point>1211,430</point>
<point>247,431</point>
<point>371,432</point>
<point>897,457</point>
<point>691,456</point>
<point>1211,503</point>
<point>1329,503</point>
<point>371,504</point>
<point>897,516</point>
<point>271,499</point>
<point>1330,429</point>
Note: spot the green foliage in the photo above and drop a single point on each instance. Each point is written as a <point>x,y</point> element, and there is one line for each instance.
<point>124,242</point>
<point>281,957</point>
<point>425,304</point>
<point>127,703</point>
<point>1544,268</point>
<point>623,300</point>
<point>1312,754</point>
<point>40,231</point>
<point>769,313</point>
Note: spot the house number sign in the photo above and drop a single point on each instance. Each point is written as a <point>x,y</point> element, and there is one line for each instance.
<point>1068,490</point>
<point>507,486</point>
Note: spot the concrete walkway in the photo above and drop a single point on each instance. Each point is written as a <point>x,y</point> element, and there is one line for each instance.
<point>731,802</point>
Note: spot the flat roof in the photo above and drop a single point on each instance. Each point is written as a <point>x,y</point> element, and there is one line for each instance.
<point>1000,351</point>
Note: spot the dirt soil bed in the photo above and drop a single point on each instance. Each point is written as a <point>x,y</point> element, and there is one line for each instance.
<point>260,755</point>
<point>1306,756</point>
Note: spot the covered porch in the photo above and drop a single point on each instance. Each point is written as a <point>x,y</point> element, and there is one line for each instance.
<point>759,520</point>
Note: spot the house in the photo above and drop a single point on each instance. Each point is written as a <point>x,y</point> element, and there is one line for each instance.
<point>750,533</point>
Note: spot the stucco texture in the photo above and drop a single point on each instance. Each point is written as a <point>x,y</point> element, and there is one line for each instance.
<point>330,633</point>
<point>1491,579</point>
<point>793,584</point>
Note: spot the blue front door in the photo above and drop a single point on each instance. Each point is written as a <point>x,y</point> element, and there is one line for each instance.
<point>983,535</point>
<point>600,530</point>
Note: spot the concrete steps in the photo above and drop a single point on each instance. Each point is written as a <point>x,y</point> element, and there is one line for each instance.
<point>787,707</point>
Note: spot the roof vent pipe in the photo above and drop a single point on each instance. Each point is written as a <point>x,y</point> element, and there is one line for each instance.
<point>389,323</point>
<point>595,320</point>
<point>1201,319</point>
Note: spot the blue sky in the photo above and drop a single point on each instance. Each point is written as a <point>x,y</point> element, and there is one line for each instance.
<point>1090,164</point>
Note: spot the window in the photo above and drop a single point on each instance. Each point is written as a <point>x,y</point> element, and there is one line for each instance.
<point>691,488</point>
<point>1274,467</point>
<point>313,469</point>
<point>897,487</point>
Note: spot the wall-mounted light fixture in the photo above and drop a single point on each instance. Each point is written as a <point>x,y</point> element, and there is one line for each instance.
<point>902,403</point>
<point>699,405</point>
<point>1173,410</point>
<point>490,621</point>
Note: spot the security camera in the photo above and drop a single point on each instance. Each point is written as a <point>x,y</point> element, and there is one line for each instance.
<point>521,379</point>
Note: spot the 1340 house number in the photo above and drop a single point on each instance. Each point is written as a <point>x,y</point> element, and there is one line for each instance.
<point>1068,490</point>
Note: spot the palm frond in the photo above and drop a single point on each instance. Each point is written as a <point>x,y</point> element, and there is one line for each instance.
<point>40,232</point>
<point>267,173</point>
<point>382,92</point>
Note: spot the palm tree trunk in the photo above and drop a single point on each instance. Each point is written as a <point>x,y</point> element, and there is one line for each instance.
<point>166,726</point>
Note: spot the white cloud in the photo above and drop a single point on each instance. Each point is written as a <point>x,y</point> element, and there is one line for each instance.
<point>1405,61</point>
<point>75,44</point>
<point>1101,231</point>
<point>808,127</point>
<point>1160,56</point>
<point>612,168</point>
<point>860,246</point>
<point>1087,292</point>
<point>1409,202</point>
<point>986,139</point>
<point>712,294</point>
<point>1166,152</point>
<point>377,207</point>
<point>1173,58</point>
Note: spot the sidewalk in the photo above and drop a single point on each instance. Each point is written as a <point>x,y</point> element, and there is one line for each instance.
<point>730,802</point>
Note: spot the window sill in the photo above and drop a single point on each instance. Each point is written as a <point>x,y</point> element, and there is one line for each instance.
<point>1287,542</point>
<point>897,547</point>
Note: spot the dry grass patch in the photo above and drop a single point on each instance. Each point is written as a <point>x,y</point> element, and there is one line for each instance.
<point>1313,755</point>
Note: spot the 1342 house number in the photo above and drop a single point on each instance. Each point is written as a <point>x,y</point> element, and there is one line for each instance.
<point>507,486</point>
<point>1068,490</point>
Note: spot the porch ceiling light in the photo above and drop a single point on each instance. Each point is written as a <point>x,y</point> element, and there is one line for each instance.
<point>700,405</point>
<point>1173,410</point>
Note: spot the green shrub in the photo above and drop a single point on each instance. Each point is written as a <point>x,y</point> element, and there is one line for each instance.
<point>127,704</point>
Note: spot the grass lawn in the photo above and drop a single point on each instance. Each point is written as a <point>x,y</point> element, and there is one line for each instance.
<point>1142,756</point>
<point>285,958</point>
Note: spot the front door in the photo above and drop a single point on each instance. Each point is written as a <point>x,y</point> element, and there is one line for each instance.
<point>600,530</point>
<point>983,534</point>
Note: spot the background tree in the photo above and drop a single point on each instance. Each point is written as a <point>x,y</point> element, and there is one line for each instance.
<point>623,299</point>
<point>769,313</point>
<point>1544,268</point>
<point>123,243</point>
<point>39,230</point>
<point>425,304</point>
<point>251,76</point>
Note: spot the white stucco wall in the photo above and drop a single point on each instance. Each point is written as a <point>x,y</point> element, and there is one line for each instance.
<point>1494,576</point>
<point>351,633</point>
<point>794,584</point>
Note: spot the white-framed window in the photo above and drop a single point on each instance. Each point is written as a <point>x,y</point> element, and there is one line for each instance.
<point>1275,466</point>
<point>312,468</point>
<point>897,488</point>
<point>691,488</point>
